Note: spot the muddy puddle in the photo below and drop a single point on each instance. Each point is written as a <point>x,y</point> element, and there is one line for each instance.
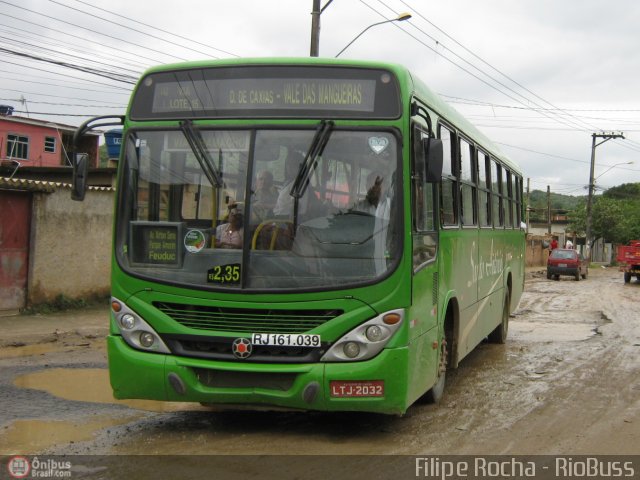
<point>76,384</point>
<point>90,385</point>
<point>551,332</point>
<point>34,435</point>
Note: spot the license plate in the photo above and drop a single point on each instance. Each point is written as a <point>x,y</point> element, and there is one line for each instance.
<point>285,340</point>
<point>562,265</point>
<point>349,388</point>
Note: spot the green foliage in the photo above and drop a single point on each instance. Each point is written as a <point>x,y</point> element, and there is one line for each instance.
<point>615,215</point>
<point>626,191</point>
<point>559,203</point>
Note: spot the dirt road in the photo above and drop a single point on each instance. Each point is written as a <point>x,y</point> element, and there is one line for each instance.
<point>566,382</point>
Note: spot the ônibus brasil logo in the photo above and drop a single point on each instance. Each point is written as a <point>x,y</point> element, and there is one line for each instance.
<point>19,467</point>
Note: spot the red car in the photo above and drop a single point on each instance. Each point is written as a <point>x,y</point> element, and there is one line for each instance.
<point>564,261</point>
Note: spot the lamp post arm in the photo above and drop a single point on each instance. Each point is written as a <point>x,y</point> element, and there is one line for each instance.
<point>361,33</point>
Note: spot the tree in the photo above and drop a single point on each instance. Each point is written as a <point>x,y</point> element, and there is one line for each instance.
<point>615,215</point>
<point>607,220</point>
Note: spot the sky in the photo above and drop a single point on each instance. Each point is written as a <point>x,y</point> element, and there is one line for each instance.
<point>538,77</point>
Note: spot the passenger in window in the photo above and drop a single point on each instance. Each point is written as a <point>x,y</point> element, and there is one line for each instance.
<point>230,234</point>
<point>265,196</point>
<point>309,204</point>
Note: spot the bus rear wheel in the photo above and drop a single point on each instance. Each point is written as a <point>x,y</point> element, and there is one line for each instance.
<point>499,335</point>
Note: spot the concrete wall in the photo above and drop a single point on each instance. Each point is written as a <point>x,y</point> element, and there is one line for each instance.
<point>536,253</point>
<point>70,245</point>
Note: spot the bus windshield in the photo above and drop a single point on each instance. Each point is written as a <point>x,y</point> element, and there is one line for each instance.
<point>224,211</point>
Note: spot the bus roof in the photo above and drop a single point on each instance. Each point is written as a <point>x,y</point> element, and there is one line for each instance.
<point>410,83</point>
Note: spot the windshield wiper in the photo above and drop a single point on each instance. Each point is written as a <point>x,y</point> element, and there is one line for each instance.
<point>316,148</point>
<point>201,153</point>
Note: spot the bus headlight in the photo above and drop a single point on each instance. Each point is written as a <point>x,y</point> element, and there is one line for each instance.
<point>135,331</point>
<point>366,340</point>
<point>351,349</point>
<point>127,321</point>
<point>146,339</point>
<point>375,333</point>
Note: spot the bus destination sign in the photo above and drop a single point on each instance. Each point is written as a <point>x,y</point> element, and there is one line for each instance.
<point>265,93</point>
<point>274,91</point>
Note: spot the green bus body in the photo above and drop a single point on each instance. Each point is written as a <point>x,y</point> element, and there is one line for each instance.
<point>434,276</point>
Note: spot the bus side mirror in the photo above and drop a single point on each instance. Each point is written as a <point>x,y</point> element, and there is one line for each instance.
<point>433,159</point>
<point>80,172</point>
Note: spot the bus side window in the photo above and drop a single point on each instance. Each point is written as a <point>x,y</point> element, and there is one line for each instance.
<point>484,185</point>
<point>468,202</point>
<point>497,213</point>
<point>424,201</point>
<point>506,194</point>
<point>449,186</point>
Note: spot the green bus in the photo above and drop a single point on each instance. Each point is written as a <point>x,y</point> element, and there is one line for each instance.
<point>306,234</point>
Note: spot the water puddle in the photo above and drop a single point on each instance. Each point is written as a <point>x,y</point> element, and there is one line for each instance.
<point>90,385</point>
<point>551,332</point>
<point>28,436</point>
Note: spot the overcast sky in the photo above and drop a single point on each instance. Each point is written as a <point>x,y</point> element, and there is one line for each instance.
<point>539,77</point>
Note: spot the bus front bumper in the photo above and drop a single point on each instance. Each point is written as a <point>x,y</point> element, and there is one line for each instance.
<point>375,385</point>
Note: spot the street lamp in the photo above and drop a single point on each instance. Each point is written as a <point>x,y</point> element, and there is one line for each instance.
<point>401,18</point>
<point>606,137</point>
<point>612,166</point>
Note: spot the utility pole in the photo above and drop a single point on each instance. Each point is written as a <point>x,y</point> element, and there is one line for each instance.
<point>606,137</point>
<point>548,209</point>
<point>316,11</point>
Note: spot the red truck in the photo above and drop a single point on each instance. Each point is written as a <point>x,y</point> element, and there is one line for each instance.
<point>629,260</point>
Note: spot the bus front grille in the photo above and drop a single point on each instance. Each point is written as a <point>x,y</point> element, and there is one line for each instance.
<point>221,348</point>
<point>246,320</point>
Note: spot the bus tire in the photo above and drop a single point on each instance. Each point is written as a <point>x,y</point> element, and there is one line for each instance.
<point>627,277</point>
<point>499,334</point>
<point>436,392</point>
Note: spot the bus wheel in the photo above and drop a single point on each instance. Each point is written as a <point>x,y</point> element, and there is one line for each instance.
<point>434,395</point>
<point>499,335</point>
<point>627,277</point>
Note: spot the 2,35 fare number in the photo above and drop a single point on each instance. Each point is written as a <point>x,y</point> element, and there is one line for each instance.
<point>225,274</point>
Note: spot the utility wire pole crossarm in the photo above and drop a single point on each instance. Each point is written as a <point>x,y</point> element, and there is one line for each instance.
<point>606,137</point>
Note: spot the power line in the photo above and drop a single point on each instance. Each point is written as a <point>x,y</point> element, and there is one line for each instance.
<point>155,28</point>
<point>93,71</point>
<point>72,85</point>
<point>563,120</point>
<point>45,27</point>
<point>41,39</point>
<point>63,54</point>
<point>90,30</point>
<point>63,75</point>
<point>497,70</point>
